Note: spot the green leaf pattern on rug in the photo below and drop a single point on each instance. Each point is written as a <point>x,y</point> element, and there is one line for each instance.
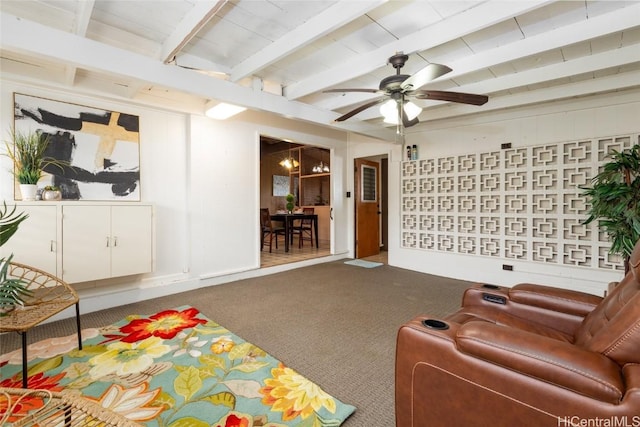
<point>225,398</point>
<point>188,382</point>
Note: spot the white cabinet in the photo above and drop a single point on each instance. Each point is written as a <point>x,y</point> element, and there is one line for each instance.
<point>106,241</point>
<point>36,241</point>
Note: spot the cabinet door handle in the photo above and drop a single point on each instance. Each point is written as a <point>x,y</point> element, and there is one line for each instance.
<point>115,241</point>
<point>107,241</point>
<point>51,246</point>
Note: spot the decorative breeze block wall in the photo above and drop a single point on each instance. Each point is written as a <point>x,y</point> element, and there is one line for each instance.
<point>520,203</point>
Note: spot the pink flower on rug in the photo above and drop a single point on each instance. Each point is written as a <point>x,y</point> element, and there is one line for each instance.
<point>49,347</point>
<point>165,324</point>
<point>131,402</point>
<point>294,395</point>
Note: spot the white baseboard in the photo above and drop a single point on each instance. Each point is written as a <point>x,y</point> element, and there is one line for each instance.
<point>97,298</point>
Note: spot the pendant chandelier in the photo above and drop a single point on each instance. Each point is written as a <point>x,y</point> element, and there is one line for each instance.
<point>321,167</point>
<point>289,163</point>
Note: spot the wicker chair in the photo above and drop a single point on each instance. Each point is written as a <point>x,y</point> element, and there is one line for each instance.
<point>49,296</point>
<point>64,408</point>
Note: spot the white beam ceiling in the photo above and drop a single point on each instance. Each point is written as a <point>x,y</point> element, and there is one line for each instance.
<point>441,32</point>
<point>542,46</point>
<point>188,27</point>
<point>35,39</point>
<point>329,20</point>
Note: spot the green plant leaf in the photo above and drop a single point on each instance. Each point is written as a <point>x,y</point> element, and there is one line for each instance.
<point>213,361</point>
<point>239,351</point>
<point>27,151</point>
<point>164,399</point>
<point>12,291</point>
<point>88,351</point>
<point>224,398</point>
<point>9,222</point>
<point>249,367</point>
<point>188,383</point>
<point>613,199</point>
<point>45,365</point>
<point>189,422</point>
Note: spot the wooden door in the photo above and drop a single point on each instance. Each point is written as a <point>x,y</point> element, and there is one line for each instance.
<point>367,207</point>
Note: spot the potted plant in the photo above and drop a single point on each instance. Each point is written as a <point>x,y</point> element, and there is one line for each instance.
<point>51,192</point>
<point>12,291</point>
<point>290,199</point>
<point>27,152</point>
<point>614,199</point>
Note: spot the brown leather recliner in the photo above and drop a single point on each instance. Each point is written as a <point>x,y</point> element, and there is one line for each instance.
<point>528,355</point>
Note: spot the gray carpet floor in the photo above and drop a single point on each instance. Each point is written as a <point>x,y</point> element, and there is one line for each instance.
<point>334,323</point>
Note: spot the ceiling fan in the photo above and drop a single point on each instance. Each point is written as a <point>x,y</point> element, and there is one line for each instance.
<point>398,87</point>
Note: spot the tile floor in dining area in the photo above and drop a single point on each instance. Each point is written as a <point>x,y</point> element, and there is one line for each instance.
<point>279,256</point>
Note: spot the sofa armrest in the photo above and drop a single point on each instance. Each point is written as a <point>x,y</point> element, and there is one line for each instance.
<point>556,299</point>
<point>559,309</point>
<point>555,362</point>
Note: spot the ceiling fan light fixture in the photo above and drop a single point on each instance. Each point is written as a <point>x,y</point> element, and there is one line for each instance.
<point>390,112</point>
<point>411,110</point>
<point>222,110</point>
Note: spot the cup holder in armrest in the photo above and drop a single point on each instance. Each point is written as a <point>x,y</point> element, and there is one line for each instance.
<point>435,324</point>
<point>487,286</point>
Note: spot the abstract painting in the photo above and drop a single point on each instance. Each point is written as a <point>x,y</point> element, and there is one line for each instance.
<point>281,185</point>
<point>99,149</point>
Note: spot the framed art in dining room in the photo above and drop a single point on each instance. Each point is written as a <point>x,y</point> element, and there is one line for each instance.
<point>99,149</point>
<point>281,185</point>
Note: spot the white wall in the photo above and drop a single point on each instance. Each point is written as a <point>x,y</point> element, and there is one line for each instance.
<point>202,176</point>
<point>597,116</point>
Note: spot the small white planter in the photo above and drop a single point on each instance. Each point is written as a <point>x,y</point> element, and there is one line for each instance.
<point>28,191</point>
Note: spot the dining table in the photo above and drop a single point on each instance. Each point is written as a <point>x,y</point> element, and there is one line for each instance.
<point>288,219</point>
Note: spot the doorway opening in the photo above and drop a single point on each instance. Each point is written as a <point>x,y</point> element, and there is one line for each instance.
<point>302,172</point>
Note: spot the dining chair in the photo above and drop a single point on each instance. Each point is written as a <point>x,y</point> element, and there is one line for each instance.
<point>305,228</point>
<point>268,229</point>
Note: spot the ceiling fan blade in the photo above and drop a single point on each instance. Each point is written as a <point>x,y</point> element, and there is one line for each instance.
<point>424,76</point>
<point>361,108</point>
<point>463,98</point>
<point>351,90</point>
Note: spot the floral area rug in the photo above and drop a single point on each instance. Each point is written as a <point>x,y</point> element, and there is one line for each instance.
<point>175,368</point>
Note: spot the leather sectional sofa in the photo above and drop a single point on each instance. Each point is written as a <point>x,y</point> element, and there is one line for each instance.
<point>528,355</point>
